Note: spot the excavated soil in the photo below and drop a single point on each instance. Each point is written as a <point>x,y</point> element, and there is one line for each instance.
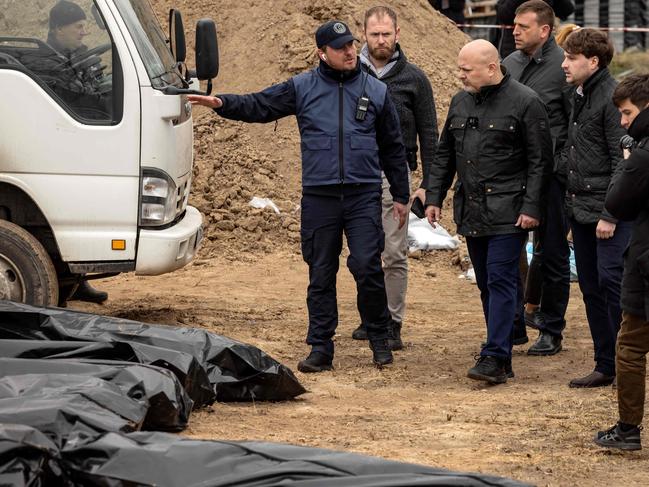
<point>250,283</point>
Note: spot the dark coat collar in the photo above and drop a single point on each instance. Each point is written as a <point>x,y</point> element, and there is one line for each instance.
<point>639,129</point>
<point>339,76</point>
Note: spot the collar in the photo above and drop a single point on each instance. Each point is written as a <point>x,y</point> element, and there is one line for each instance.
<point>541,52</point>
<point>640,126</point>
<point>594,80</point>
<point>339,76</point>
<point>486,91</point>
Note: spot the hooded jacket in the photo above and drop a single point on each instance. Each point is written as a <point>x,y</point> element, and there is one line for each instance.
<point>628,199</point>
<point>338,151</point>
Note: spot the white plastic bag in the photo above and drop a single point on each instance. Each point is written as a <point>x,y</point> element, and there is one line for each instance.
<point>257,202</point>
<point>422,236</point>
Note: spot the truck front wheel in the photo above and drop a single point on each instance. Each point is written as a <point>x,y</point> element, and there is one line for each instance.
<point>27,274</point>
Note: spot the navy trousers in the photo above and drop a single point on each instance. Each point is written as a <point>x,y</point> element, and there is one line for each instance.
<point>324,220</point>
<point>548,279</point>
<point>495,261</point>
<point>599,269</point>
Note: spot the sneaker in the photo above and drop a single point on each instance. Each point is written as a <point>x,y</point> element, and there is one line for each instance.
<point>616,437</point>
<point>315,362</point>
<point>394,339</point>
<point>489,369</point>
<point>360,333</point>
<point>381,352</point>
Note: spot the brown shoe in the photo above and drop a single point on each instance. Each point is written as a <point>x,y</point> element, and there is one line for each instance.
<point>594,379</point>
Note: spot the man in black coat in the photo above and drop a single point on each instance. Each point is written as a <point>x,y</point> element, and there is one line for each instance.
<point>503,39</point>
<point>628,199</point>
<point>594,159</point>
<point>537,63</point>
<point>412,95</point>
<point>497,140</point>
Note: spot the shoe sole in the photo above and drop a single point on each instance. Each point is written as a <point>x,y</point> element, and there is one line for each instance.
<point>359,338</point>
<point>545,353</point>
<point>307,369</point>
<point>590,385</point>
<point>619,446</point>
<point>488,378</point>
<point>382,364</point>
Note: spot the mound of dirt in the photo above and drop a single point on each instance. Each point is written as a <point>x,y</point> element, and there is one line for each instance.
<point>262,43</point>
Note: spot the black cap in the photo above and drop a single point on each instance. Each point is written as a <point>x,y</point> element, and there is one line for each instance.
<point>333,34</point>
<point>65,13</point>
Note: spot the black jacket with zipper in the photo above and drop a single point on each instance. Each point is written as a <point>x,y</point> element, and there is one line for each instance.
<point>593,149</point>
<point>498,142</point>
<point>628,199</point>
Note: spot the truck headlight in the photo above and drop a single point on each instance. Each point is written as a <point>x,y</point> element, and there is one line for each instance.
<point>158,198</point>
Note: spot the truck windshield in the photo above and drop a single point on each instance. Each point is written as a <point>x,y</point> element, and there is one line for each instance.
<point>150,42</point>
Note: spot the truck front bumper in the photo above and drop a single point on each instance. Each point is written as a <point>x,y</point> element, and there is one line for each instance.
<point>161,251</point>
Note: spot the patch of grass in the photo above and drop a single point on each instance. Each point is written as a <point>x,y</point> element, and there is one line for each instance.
<point>628,62</point>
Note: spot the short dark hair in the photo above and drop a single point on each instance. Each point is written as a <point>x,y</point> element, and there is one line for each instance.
<point>544,13</point>
<point>380,11</point>
<point>634,87</point>
<point>590,43</point>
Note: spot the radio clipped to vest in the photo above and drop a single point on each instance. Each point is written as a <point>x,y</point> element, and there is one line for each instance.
<point>363,102</point>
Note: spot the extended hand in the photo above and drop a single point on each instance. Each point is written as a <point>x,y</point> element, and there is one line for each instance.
<point>206,101</point>
<point>605,230</point>
<point>400,213</point>
<point>433,214</point>
<point>526,222</point>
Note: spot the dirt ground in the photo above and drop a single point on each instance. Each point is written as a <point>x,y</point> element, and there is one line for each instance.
<point>422,408</point>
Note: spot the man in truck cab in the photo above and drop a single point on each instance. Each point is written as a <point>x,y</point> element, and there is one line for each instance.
<point>349,131</point>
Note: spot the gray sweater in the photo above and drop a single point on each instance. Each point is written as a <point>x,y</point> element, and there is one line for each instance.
<point>412,96</point>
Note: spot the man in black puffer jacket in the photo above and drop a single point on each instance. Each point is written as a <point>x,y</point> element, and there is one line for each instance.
<point>594,159</point>
<point>628,199</point>
<point>497,139</point>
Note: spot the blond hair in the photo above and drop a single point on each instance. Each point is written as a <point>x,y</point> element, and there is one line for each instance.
<point>564,31</point>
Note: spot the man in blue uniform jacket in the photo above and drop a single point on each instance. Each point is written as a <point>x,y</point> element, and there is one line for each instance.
<point>349,132</point>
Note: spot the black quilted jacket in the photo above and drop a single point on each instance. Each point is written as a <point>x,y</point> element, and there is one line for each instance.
<point>593,149</point>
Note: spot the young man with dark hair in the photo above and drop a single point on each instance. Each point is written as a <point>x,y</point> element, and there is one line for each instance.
<point>410,90</point>
<point>594,159</point>
<point>628,199</point>
<point>537,63</point>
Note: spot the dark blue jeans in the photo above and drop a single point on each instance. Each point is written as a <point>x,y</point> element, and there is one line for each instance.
<point>495,261</point>
<point>548,279</point>
<point>324,220</point>
<point>599,269</point>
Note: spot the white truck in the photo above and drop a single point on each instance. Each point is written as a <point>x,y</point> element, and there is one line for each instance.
<point>95,143</point>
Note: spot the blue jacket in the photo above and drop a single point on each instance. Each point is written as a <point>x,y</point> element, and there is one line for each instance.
<point>337,149</point>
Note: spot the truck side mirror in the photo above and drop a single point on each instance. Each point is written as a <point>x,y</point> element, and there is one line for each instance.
<point>177,36</point>
<point>207,50</point>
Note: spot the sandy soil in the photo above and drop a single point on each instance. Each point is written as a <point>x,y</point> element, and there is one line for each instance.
<point>422,408</point>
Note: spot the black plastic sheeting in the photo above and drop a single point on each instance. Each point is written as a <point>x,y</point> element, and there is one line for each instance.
<point>169,404</point>
<point>167,460</point>
<point>185,367</point>
<point>236,371</point>
<point>58,404</point>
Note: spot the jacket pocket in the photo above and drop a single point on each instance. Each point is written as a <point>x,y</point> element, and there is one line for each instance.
<point>457,128</point>
<point>499,136</point>
<point>319,161</point>
<point>504,202</point>
<point>458,203</point>
<point>363,162</point>
<point>596,184</point>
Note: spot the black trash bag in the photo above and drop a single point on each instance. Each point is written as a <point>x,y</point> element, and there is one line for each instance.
<point>169,404</point>
<point>27,457</point>
<point>57,404</point>
<point>164,459</point>
<point>185,367</point>
<point>237,371</point>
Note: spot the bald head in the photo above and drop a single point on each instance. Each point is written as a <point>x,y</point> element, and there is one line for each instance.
<point>479,65</point>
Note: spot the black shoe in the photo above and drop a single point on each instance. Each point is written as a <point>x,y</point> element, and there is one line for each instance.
<point>360,333</point>
<point>545,344</point>
<point>394,339</point>
<point>535,319</point>
<point>616,437</point>
<point>594,379</point>
<point>315,362</point>
<point>489,369</point>
<point>381,353</point>
<point>509,372</point>
<point>85,292</point>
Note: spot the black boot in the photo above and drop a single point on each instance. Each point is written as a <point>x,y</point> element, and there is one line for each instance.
<point>381,353</point>
<point>360,333</point>
<point>394,340</point>
<point>489,369</point>
<point>315,362</point>
<point>85,292</point>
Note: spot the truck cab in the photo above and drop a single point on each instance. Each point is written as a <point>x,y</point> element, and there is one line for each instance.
<point>96,144</point>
